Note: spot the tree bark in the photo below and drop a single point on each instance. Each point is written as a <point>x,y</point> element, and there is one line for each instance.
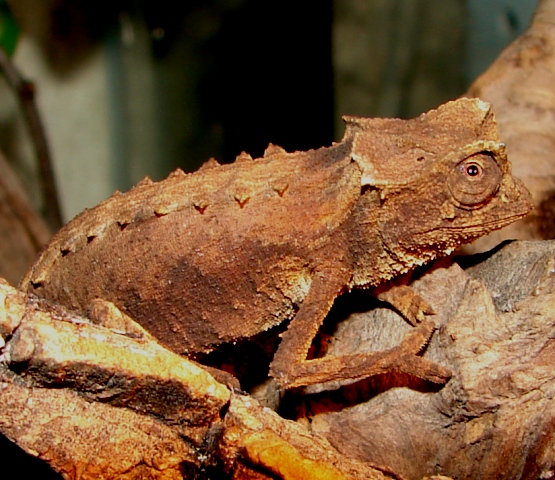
<point>96,403</point>
<point>519,85</point>
<point>22,232</point>
<point>494,419</point>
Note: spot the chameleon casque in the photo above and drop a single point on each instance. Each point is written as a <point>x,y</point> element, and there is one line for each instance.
<point>232,250</point>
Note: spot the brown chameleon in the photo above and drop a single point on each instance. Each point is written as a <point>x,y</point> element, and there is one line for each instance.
<point>232,250</point>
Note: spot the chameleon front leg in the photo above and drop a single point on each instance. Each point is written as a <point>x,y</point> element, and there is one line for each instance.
<point>406,301</point>
<point>290,367</point>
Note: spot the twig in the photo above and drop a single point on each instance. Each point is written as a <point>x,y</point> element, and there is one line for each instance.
<point>14,192</point>
<point>26,93</point>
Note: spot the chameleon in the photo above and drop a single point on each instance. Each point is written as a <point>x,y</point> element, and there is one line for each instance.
<point>232,250</point>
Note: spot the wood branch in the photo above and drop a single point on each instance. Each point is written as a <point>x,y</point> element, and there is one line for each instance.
<point>86,440</point>
<point>494,419</point>
<point>519,84</point>
<point>94,403</point>
<point>16,198</point>
<point>25,92</point>
<point>22,231</point>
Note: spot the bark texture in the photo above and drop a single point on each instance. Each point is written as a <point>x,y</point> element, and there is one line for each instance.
<point>519,85</point>
<point>494,419</point>
<point>22,231</point>
<point>96,403</point>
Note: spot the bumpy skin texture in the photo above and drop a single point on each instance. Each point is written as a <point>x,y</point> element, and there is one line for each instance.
<point>233,250</point>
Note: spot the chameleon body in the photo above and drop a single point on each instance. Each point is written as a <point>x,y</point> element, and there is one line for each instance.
<point>229,251</point>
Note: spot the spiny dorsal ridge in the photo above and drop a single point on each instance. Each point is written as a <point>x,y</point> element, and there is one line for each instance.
<point>145,181</point>
<point>243,157</point>
<point>177,173</point>
<point>117,193</point>
<point>209,164</point>
<point>272,149</point>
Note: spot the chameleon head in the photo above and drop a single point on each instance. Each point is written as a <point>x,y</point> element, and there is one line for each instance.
<point>445,181</point>
<point>463,196</point>
<point>451,127</point>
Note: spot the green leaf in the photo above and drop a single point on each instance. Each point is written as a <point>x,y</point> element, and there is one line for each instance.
<point>9,32</point>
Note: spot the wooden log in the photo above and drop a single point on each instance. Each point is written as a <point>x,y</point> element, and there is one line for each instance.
<point>519,85</point>
<point>494,419</point>
<point>94,402</point>
<point>22,232</point>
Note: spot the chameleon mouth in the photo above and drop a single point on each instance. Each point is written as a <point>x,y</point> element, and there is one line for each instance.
<point>513,196</point>
<point>485,227</point>
<point>468,233</point>
<point>451,238</point>
<point>422,246</point>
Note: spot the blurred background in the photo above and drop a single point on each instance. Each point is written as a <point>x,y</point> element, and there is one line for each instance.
<point>128,88</point>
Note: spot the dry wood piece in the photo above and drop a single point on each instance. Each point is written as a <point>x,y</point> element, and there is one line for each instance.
<point>123,370</point>
<point>22,232</point>
<point>495,418</point>
<point>256,438</point>
<point>95,403</point>
<point>88,440</point>
<point>519,85</point>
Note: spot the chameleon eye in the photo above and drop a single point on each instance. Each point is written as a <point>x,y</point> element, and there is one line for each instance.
<point>473,170</point>
<point>475,180</point>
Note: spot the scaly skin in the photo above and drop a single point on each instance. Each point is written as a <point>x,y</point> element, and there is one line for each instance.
<point>233,250</point>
